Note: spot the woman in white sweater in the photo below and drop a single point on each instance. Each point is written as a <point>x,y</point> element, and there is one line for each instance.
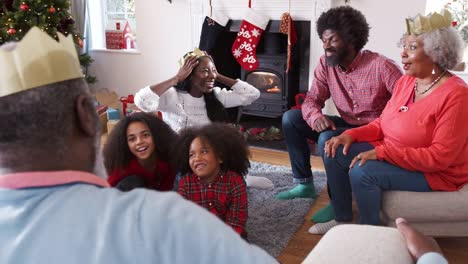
<point>190,98</point>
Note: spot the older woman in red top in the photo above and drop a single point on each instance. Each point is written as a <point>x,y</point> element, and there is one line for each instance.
<point>419,143</point>
<point>137,153</point>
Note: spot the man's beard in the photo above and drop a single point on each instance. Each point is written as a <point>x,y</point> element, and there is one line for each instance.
<point>336,58</point>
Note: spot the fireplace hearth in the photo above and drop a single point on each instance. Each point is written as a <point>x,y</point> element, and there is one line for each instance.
<point>277,87</point>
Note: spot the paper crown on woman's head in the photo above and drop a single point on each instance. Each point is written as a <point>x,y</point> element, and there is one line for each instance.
<point>195,53</point>
<point>423,24</point>
<point>37,60</point>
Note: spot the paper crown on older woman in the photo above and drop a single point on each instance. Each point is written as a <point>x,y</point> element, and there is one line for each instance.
<point>423,24</point>
<point>195,53</point>
<point>37,60</point>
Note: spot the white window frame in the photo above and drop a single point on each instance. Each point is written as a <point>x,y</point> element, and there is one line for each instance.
<point>97,10</point>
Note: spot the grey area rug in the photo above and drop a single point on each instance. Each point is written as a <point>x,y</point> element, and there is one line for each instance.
<point>272,223</point>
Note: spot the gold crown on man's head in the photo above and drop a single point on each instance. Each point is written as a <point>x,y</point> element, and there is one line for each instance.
<point>195,53</point>
<point>37,60</point>
<point>423,24</point>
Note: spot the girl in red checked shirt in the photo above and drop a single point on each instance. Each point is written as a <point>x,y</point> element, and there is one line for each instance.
<point>136,154</point>
<point>214,159</point>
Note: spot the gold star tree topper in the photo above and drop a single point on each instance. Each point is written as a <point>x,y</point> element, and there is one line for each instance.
<point>37,60</point>
<point>423,24</point>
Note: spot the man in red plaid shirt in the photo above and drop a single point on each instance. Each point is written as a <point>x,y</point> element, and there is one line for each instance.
<point>360,82</point>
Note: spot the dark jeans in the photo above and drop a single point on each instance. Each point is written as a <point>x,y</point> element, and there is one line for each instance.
<point>367,183</point>
<point>296,132</point>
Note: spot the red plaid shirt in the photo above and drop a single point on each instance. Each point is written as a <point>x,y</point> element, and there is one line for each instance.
<point>226,197</point>
<point>360,93</point>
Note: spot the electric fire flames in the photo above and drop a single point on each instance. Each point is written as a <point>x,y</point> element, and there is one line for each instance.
<point>265,81</point>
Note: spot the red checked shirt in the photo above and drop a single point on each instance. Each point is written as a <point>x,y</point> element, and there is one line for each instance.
<point>360,93</point>
<point>226,197</point>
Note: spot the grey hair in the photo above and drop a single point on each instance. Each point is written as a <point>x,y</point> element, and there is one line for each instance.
<point>40,117</point>
<point>444,46</point>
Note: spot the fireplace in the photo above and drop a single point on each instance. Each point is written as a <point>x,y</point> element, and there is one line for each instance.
<point>274,85</point>
<point>277,87</point>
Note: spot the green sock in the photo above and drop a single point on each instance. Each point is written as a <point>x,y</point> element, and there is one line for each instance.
<point>324,215</point>
<point>302,190</point>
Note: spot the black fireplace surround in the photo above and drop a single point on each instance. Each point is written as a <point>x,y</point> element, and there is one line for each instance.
<point>277,87</point>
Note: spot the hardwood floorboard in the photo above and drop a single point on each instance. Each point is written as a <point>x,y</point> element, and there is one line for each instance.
<point>454,249</point>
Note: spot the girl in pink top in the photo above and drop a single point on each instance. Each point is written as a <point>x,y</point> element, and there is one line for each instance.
<point>419,143</point>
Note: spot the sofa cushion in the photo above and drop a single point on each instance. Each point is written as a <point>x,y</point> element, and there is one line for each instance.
<point>353,244</point>
<point>426,206</point>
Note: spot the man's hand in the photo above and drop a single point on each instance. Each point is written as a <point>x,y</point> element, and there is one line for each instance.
<point>335,142</point>
<point>363,157</point>
<point>417,243</point>
<point>323,123</point>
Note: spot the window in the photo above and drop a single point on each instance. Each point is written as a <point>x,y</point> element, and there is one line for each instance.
<point>121,10</point>
<point>107,14</point>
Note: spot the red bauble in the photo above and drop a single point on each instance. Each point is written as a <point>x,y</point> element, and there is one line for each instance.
<point>24,7</point>
<point>80,42</point>
<point>11,31</point>
<point>52,10</point>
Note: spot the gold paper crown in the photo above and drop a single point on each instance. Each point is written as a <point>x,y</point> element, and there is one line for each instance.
<point>195,53</point>
<point>423,24</point>
<point>37,60</point>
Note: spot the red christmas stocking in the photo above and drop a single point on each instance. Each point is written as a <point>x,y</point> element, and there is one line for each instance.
<point>244,47</point>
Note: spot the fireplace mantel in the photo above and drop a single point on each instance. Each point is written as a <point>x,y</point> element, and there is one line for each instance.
<point>305,10</point>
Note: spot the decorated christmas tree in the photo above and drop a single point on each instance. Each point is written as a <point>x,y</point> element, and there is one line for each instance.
<point>459,9</point>
<point>51,16</point>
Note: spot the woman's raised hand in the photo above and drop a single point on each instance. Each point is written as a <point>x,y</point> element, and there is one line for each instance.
<point>187,68</point>
<point>335,142</point>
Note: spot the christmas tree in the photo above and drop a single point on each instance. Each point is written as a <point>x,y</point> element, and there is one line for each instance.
<point>459,10</point>
<point>51,16</point>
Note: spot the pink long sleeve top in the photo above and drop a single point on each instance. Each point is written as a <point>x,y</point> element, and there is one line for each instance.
<point>430,137</point>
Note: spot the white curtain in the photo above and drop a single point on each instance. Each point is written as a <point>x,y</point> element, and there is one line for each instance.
<point>95,20</point>
<point>78,11</point>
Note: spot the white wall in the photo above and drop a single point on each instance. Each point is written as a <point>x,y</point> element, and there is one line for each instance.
<point>387,22</point>
<point>166,31</point>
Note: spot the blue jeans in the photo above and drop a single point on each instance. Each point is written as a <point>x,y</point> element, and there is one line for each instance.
<point>367,183</point>
<point>296,132</point>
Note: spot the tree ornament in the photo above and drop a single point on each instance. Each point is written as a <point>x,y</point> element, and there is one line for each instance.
<point>80,42</point>
<point>52,10</point>
<point>8,4</point>
<point>70,20</point>
<point>11,31</point>
<point>24,7</point>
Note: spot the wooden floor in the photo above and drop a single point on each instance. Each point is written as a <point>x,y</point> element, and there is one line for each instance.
<point>454,249</point>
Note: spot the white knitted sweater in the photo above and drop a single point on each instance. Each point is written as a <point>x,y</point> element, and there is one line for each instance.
<point>180,109</point>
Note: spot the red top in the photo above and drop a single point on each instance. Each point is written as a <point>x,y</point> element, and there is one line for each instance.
<point>226,197</point>
<point>162,179</point>
<point>431,136</point>
<point>359,93</point>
